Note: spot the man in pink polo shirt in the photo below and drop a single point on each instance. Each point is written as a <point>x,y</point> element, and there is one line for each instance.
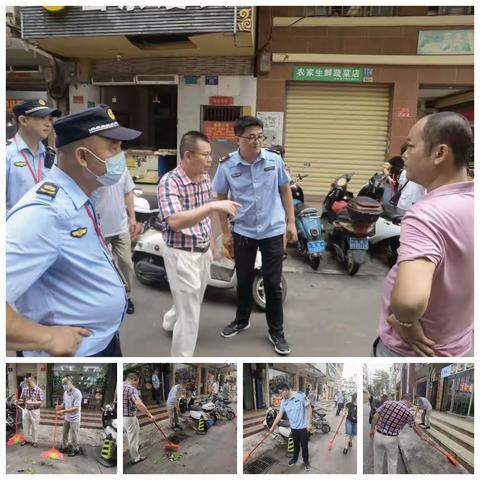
<point>427,307</point>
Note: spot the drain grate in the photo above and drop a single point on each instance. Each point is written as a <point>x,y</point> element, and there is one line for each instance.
<point>177,437</point>
<point>261,465</point>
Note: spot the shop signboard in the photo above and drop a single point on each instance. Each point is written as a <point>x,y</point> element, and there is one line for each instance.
<point>219,130</point>
<point>456,368</point>
<point>220,100</point>
<point>445,42</point>
<point>332,73</point>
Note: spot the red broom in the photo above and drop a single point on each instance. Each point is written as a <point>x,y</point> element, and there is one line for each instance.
<point>249,454</point>
<point>17,437</point>
<point>53,453</point>
<point>169,445</point>
<point>330,443</point>
<point>448,455</point>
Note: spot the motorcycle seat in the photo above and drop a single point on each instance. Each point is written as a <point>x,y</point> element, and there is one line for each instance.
<point>284,423</point>
<point>392,213</point>
<point>195,408</point>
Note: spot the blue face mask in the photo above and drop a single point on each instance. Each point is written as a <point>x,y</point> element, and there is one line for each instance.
<point>115,165</point>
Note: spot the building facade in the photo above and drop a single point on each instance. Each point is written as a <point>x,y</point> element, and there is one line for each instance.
<point>448,387</point>
<point>198,378</point>
<point>163,70</point>
<point>261,379</point>
<point>97,382</point>
<point>343,85</point>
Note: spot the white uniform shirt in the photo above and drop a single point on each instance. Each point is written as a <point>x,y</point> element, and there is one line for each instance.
<point>111,208</point>
<point>411,193</point>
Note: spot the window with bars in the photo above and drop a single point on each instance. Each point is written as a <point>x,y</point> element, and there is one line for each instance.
<point>221,114</point>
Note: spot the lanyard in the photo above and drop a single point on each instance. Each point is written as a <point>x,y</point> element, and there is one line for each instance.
<point>36,178</point>
<point>96,226</point>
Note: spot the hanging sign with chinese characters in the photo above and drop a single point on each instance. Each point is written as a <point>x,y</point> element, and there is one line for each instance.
<point>333,74</point>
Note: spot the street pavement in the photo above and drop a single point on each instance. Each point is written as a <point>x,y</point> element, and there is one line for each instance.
<point>322,460</point>
<point>28,460</point>
<point>327,313</point>
<point>212,453</point>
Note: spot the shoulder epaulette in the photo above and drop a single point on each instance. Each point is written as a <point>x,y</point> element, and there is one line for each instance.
<point>226,157</point>
<point>272,150</point>
<point>49,189</point>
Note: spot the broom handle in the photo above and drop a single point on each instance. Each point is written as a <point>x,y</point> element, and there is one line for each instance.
<point>338,428</point>
<point>16,415</point>
<point>441,450</point>
<point>55,426</point>
<point>258,444</point>
<point>160,430</point>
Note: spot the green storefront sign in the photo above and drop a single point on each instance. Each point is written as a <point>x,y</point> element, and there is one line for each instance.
<point>333,74</point>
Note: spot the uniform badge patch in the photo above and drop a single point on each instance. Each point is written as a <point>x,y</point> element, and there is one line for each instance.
<point>226,157</point>
<point>42,102</point>
<point>272,167</point>
<point>236,174</point>
<point>79,232</point>
<point>20,164</point>
<point>49,189</point>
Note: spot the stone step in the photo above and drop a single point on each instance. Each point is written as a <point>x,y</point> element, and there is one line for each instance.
<point>463,455</point>
<point>253,413</point>
<point>248,432</point>
<point>463,425</point>
<point>463,439</point>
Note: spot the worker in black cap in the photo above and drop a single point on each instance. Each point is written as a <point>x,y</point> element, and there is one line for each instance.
<point>26,153</point>
<point>68,295</point>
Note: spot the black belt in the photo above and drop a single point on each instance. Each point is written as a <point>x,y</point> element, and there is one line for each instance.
<point>386,434</point>
<point>203,249</point>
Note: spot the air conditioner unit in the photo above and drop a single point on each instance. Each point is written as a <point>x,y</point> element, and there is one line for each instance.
<point>156,79</point>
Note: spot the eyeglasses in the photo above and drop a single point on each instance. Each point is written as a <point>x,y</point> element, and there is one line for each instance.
<point>253,139</point>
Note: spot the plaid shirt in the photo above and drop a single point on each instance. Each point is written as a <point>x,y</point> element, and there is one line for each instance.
<point>130,395</point>
<point>34,394</point>
<point>393,416</point>
<point>176,193</point>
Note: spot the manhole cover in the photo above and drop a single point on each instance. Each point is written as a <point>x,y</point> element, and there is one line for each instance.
<point>261,465</point>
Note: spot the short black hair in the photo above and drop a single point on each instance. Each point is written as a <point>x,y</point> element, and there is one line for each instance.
<point>28,375</point>
<point>132,376</point>
<point>453,130</point>
<point>407,397</point>
<point>244,122</point>
<point>282,386</point>
<point>189,141</point>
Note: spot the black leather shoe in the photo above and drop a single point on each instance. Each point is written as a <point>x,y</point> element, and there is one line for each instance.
<point>233,328</point>
<point>130,307</point>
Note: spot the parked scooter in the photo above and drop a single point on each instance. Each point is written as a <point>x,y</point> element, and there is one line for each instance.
<point>150,268</point>
<point>349,222</point>
<point>108,455</point>
<point>145,205</point>
<point>309,226</point>
<point>319,422</point>
<point>387,227</point>
<point>284,432</point>
<point>201,419</point>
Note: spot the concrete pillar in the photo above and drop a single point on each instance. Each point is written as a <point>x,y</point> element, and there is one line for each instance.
<point>11,379</point>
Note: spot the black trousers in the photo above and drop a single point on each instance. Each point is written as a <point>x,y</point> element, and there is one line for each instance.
<point>113,349</point>
<point>339,408</point>
<point>272,258</point>
<point>300,439</point>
